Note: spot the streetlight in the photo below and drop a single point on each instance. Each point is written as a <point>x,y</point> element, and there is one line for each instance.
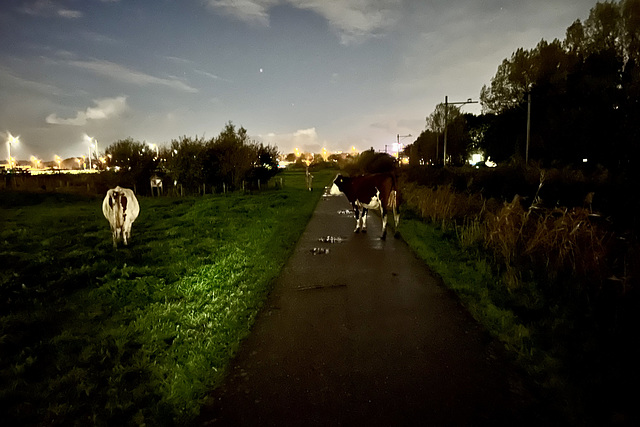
<point>93,143</point>
<point>11,140</point>
<point>58,160</point>
<point>399,137</point>
<point>446,118</point>
<point>35,161</point>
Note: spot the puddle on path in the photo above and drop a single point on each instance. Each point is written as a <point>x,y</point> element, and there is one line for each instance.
<point>320,251</point>
<point>332,239</point>
<point>316,287</point>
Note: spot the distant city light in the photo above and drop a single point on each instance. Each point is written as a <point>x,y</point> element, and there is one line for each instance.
<point>10,141</point>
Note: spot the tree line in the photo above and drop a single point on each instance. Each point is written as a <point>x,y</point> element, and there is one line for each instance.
<point>229,161</point>
<point>584,93</point>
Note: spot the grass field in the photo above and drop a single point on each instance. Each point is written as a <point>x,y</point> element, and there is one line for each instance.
<point>93,335</point>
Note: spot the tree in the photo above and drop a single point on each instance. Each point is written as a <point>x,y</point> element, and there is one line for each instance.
<point>584,92</point>
<point>266,164</point>
<point>133,162</point>
<point>186,162</point>
<point>371,162</point>
<point>448,115</point>
<point>510,84</point>
<point>424,149</point>
<point>603,30</point>
<point>230,157</point>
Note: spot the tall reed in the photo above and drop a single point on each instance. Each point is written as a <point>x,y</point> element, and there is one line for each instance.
<point>534,243</point>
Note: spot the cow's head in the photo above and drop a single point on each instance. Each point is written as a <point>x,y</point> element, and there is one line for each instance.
<point>338,185</point>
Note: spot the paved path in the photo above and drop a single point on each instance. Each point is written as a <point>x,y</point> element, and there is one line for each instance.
<point>365,335</point>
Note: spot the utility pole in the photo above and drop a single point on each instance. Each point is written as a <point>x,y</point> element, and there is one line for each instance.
<point>526,156</point>
<point>446,119</point>
<point>399,137</point>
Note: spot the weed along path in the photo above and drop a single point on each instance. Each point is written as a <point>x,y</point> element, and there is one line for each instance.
<point>363,334</point>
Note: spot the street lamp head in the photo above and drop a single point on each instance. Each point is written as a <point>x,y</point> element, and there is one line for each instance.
<point>13,139</point>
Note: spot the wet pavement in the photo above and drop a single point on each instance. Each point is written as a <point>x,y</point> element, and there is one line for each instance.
<point>358,331</point>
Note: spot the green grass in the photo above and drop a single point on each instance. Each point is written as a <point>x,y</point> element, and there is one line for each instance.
<point>521,319</point>
<point>471,278</point>
<point>93,335</point>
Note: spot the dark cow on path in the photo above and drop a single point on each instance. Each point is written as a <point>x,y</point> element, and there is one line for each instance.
<point>377,191</point>
<point>120,207</point>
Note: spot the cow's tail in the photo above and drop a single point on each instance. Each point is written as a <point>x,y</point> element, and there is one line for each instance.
<point>394,202</point>
<point>394,197</point>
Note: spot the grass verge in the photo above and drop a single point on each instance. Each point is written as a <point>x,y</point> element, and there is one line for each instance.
<point>138,335</point>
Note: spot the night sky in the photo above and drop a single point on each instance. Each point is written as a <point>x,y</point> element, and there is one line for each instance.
<point>294,73</point>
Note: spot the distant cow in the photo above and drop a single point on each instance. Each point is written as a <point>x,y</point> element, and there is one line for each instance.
<point>121,208</point>
<point>378,191</point>
<point>156,182</point>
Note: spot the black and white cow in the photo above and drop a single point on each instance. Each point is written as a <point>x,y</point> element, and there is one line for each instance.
<point>120,207</point>
<point>377,191</point>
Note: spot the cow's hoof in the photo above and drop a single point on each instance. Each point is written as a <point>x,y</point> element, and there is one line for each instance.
<point>397,235</point>
<point>383,237</point>
<point>364,230</point>
<point>357,230</point>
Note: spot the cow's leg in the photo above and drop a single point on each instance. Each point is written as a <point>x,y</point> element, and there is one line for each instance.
<point>383,215</point>
<point>396,220</point>
<point>364,219</point>
<point>356,211</point>
<point>123,235</point>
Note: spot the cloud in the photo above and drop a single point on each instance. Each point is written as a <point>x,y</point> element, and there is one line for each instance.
<point>49,8</point>
<point>113,70</point>
<point>353,20</point>
<point>306,140</point>
<point>210,75</point>
<point>104,108</point>
<point>249,11</point>
<point>30,85</point>
<point>71,14</point>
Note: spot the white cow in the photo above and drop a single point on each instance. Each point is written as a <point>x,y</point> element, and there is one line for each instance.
<point>121,208</point>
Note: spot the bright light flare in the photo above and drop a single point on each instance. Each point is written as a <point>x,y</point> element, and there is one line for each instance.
<point>155,147</point>
<point>13,139</point>
<point>10,141</point>
<point>35,161</point>
<point>476,158</point>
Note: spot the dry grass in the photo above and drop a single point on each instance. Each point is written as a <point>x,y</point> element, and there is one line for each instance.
<point>535,243</point>
<point>566,297</point>
<point>442,205</point>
